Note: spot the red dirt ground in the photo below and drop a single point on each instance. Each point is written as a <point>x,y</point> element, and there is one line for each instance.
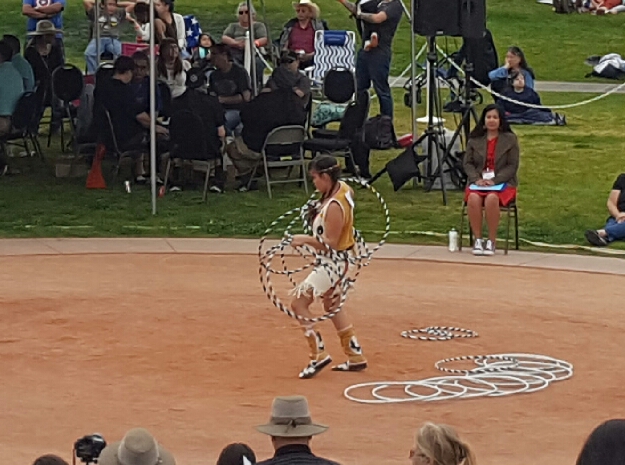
<point>189,347</point>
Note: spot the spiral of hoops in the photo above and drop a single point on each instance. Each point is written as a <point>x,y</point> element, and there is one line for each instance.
<point>438,333</point>
<point>492,376</point>
<point>332,262</point>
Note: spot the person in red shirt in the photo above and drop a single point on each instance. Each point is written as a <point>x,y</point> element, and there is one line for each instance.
<point>298,34</point>
<point>491,159</point>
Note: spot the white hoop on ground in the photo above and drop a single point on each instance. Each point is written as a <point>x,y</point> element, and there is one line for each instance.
<point>438,333</point>
<point>333,262</point>
<point>496,375</point>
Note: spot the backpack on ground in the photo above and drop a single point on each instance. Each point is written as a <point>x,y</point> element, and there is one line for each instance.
<point>380,133</point>
<point>611,66</point>
<point>563,6</point>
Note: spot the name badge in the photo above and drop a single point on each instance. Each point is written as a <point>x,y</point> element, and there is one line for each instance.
<point>488,175</point>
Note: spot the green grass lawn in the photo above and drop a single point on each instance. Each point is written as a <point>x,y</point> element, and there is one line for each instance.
<point>556,45</point>
<point>566,174</point>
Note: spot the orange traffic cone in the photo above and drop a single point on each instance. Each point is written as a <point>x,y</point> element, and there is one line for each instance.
<point>95,180</point>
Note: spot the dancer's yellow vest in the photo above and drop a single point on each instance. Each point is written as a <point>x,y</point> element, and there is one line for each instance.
<point>344,197</point>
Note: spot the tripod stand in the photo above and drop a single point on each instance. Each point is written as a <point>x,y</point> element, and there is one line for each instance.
<point>464,129</point>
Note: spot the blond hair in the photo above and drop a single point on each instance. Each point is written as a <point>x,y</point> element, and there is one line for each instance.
<point>442,445</point>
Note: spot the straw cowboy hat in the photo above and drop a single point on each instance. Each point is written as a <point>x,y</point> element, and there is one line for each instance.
<point>290,418</point>
<point>313,7</point>
<point>45,27</point>
<point>137,448</point>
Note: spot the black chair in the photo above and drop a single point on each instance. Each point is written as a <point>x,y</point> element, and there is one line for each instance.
<point>283,149</point>
<point>166,98</point>
<point>350,130</point>
<point>362,99</point>
<point>339,85</point>
<point>21,121</point>
<point>106,136</point>
<point>67,85</point>
<point>511,211</point>
<point>188,141</point>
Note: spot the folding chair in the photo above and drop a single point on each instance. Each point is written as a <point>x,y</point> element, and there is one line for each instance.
<point>511,210</point>
<point>22,121</point>
<point>351,127</point>
<point>188,141</point>
<point>109,139</point>
<point>283,149</point>
<point>67,85</point>
<point>333,49</point>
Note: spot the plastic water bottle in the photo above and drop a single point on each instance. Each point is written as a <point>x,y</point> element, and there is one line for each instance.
<point>453,240</point>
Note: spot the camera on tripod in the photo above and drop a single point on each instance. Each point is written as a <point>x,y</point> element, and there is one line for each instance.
<point>88,448</point>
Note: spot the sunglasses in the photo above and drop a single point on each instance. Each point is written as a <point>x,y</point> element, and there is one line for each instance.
<point>242,13</point>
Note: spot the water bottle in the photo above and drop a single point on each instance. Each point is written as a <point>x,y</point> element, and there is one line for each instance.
<point>453,240</point>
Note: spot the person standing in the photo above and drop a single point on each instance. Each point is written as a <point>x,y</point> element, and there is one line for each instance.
<point>50,10</point>
<point>378,24</point>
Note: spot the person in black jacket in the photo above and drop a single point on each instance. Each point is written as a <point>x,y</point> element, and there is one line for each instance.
<point>291,429</point>
<point>269,110</point>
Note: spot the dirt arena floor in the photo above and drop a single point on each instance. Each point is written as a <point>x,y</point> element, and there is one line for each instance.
<point>189,347</point>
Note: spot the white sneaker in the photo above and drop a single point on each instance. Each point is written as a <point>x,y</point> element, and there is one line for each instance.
<point>490,248</point>
<point>478,247</point>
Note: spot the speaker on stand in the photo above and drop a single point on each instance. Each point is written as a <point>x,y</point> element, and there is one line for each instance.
<point>431,19</point>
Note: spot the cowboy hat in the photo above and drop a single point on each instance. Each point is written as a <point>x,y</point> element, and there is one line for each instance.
<point>313,7</point>
<point>45,27</point>
<point>290,418</point>
<point>137,448</point>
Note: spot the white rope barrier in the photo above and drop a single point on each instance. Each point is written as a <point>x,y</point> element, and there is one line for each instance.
<point>529,105</point>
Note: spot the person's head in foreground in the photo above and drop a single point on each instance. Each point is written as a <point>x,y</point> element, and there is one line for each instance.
<point>440,445</point>
<point>237,454</point>
<point>493,120</point>
<point>49,459</point>
<point>138,447</point>
<point>605,445</point>
<point>124,69</point>
<point>290,422</point>
<point>325,172</point>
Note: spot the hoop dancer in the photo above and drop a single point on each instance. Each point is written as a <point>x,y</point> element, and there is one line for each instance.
<point>333,222</point>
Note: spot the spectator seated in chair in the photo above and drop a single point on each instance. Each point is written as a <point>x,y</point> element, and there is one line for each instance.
<point>141,83</point>
<point>44,52</point>
<point>269,110</point>
<point>515,61</point>
<point>20,63</point>
<point>491,159</point>
<point>516,113</point>
<point>210,111</point>
<point>141,23</point>
<point>440,445</point>
<point>235,36</point>
<point>11,89</point>
<point>171,68</point>
<point>614,229</point>
<point>111,18</point>
<point>231,84</point>
<point>130,121</point>
<point>200,58</point>
<point>287,76</point>
<point>170,25</point>
<point>298,34</point>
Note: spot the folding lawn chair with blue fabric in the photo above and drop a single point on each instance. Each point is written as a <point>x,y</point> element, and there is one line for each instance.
<point>333,49</point>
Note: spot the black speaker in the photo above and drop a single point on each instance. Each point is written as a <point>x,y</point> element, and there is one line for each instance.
<point>456,18</point>
<point>473,18</point>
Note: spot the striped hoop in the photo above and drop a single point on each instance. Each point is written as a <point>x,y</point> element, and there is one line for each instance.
<point>339,260</point>
<point>438,333</point>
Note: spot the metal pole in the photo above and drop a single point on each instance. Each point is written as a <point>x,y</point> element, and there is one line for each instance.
<point>252,49</point>
<point>413,75</point>
<point>152,110</point>
<point>96,30</point>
